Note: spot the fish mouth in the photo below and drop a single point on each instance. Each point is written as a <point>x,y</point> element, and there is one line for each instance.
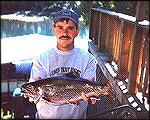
<point>30,90</point>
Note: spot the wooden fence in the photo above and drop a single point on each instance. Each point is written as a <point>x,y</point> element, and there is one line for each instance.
<point>126,43</point>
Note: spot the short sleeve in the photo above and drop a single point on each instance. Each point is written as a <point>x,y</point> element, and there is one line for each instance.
<point>90,71</point>
<point>37,70</point>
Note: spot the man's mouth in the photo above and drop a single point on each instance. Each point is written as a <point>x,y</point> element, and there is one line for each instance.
<point>64,37</point>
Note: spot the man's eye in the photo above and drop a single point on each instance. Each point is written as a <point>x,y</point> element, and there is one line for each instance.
<point>71,28</point>
<point>59,27</point>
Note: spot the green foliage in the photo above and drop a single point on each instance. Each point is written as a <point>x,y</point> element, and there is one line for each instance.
<point>83,8</point>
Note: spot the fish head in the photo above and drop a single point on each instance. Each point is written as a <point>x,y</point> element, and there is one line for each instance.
<point>31,90</point>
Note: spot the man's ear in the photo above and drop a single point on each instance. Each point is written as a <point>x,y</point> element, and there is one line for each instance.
<point>77,32</point>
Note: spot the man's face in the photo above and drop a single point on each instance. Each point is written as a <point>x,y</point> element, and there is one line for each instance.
<point>65,33</point>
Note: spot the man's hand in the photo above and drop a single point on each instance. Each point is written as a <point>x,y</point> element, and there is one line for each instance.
<point>107,90</point>
<point>85,98</point>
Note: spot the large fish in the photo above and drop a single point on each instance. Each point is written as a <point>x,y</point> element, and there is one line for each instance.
<point>62,89</point>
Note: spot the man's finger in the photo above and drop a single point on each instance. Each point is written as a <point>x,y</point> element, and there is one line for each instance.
<point>93,101</point>
<point>84,97</point>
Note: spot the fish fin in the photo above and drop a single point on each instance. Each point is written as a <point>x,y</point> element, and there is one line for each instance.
<point>72,74</point>
<point>94,100</point>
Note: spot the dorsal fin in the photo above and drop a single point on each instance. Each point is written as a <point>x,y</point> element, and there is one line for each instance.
<point>72,74</point>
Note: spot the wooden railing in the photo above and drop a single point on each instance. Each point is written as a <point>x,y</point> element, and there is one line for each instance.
<point>126,42</point>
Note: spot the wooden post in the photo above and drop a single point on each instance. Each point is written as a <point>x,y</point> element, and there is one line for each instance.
<point>111,36</point>
<point>140,11</point>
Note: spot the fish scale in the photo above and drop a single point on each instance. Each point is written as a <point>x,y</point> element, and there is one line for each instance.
<point>62,89</point>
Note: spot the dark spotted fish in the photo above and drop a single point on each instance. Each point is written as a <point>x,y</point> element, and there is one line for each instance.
<point>62,89</point>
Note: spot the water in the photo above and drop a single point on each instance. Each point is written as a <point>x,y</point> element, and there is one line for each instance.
<point>13,28</point>
<point>22,40</point>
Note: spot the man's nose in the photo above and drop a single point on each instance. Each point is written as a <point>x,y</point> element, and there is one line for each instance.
<point>65,30</point>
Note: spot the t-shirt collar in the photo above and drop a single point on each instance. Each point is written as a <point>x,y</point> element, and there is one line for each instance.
<point>64,52</point>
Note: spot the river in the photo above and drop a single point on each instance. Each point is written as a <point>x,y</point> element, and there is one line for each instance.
<point>24,37</point>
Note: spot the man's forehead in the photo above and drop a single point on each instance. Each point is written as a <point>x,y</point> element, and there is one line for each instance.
<point>70,23</point>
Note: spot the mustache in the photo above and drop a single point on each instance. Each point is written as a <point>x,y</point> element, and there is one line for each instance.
<point>65,37</point>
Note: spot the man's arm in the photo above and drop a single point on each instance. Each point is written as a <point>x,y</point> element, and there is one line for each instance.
<point>37,70</point>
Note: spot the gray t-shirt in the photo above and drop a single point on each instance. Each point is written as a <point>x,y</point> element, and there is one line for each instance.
<point>56,63</point>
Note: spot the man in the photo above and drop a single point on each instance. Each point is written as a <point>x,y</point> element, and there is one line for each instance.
<point>62,59</point>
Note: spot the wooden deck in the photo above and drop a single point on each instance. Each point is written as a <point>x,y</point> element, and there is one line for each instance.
<point>125,42</point>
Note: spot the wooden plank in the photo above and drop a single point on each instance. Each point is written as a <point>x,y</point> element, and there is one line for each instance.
<point>146,80</point>
<point>116,44</point>
<point>124,53</point>
<point>107,32</point>
<point>91,32</point>
<point>144,61</point>
<point>94,28</point>
<point>134,65</point>
<point>99,34</point>
<point>104,32</point>
<point>114,37</point>
<point>141,78</point>
<point>111,36</point>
